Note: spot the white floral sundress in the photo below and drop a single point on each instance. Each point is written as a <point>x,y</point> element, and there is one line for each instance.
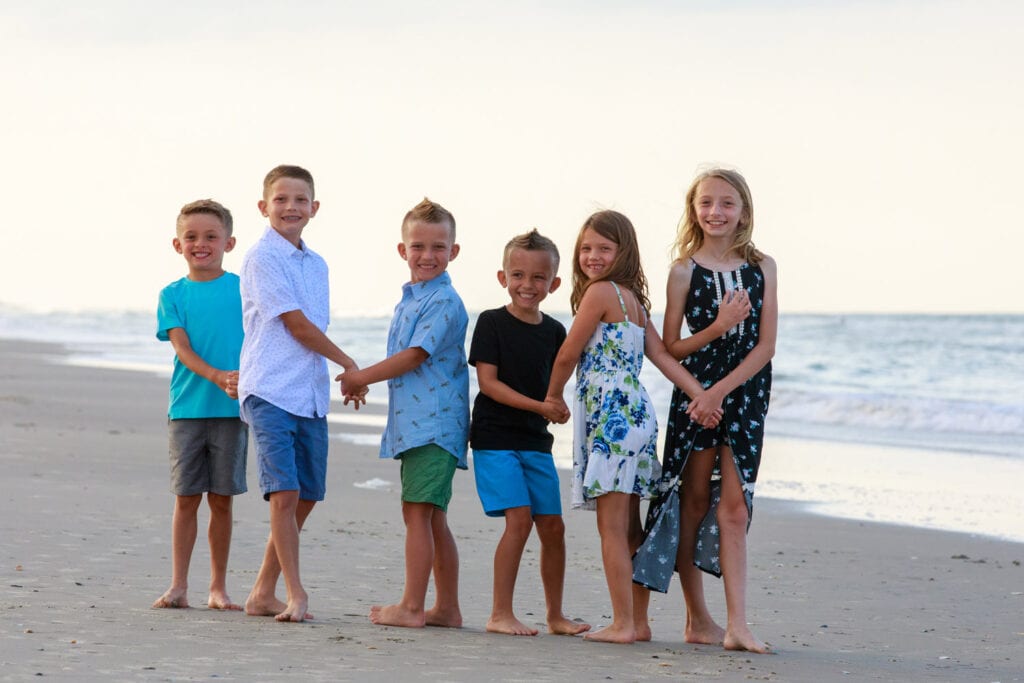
<point>615,431</point>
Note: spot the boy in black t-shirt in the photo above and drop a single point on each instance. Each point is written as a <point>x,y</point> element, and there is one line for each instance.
<point>513,349</point>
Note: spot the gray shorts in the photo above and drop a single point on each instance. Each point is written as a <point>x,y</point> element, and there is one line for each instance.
<point>208,456</point>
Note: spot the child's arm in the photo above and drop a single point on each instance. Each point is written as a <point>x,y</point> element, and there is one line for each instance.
<point>655,350</point>
<point>733,309</point>
<point>492,387</point>
<point>759,356</point>
<point>310,336</point>
<point>355,381</point>
<point>226,380</point>
<point>597,301</point>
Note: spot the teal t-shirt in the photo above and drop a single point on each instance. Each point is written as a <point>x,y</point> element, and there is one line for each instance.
<point>211,315</point>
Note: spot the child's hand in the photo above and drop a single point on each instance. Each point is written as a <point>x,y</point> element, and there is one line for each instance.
<point>733,309</point>
<point>227,382</point>
<point>706,409</point>
<point>352,390</point>
<point>555,410</point>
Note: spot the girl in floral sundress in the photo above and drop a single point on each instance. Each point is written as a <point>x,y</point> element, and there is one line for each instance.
<point>726,289</point>
<point>615,461</point>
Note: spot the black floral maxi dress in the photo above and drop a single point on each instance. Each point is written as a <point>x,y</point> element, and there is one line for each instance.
<point>741,427</point>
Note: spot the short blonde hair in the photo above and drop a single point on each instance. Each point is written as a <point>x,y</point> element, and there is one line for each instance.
<point>429,212</point>
<point>531,241</point>
<point>286,171</point>
<point>210,207</point>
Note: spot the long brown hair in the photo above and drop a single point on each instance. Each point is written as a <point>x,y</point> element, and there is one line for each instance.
<point>626,269</point>
<point>690,238</point>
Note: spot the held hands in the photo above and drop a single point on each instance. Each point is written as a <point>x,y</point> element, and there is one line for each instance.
<point>352,388</point>
<point>706,409</point>
<point>733,309</point>
<point>227,381</point>
<point>555,410</point>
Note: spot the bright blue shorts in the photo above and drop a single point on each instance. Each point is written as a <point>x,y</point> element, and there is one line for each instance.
<point>510,479</point>
<point>291,451</point>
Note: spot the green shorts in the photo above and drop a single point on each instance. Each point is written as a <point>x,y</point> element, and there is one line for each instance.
<point>427,473</point>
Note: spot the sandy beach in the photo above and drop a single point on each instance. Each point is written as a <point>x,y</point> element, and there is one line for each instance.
<point>85,541</point>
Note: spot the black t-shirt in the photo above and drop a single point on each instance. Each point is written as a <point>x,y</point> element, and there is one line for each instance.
<point>523,354</point>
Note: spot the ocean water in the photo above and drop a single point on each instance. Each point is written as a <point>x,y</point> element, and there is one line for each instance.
<point>910,419</point>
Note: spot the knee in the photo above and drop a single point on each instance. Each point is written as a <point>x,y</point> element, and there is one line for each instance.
<point>188,504</point>
<point>218,504</point>
<point>733,515</point>
<point>695,503</point>
<point>519,527</point>
<point>550,528</point>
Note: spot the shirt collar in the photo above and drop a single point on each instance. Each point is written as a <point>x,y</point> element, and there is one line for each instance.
<point>418,290</point>
<point>281,245</point>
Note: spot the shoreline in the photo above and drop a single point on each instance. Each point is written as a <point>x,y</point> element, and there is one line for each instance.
<point>86,528</point>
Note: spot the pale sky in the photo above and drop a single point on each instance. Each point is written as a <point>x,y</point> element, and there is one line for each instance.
<point>882,140</point>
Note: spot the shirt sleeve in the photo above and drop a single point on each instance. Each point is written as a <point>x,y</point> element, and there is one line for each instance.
<point>438,324</point>
<point>268,287</point>
<point>484,347</point>
<point>167,315</point>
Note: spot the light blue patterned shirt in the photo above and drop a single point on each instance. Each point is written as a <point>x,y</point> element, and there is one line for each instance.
<point>277,278</point>
<point>429,405</point>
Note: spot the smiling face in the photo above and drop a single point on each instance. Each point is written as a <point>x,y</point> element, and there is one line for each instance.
<point>719,209</point>
<point>596,254</point>
<point>427,248</point>
<point>529,276</point>
<point>202,239</point>
<point>289,205</point>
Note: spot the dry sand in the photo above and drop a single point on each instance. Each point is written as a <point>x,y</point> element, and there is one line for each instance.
<point>85,543</point>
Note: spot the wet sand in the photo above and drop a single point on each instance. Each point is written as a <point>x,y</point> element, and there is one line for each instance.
<point>85,549</point>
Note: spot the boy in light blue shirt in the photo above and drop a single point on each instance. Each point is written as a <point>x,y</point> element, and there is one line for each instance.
<point>201,315</point>
<point>428,414</point>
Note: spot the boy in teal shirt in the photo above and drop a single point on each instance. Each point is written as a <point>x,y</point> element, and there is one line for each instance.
<point>201,315</point>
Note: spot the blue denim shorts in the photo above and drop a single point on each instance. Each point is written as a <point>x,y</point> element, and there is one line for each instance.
<point>291,451</point>
<point>510,479</point>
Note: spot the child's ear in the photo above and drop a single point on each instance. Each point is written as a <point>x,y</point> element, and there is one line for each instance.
<point>230,244</point>
<point>262,206</point>
<point>177,244</point>
<point>454,252</point>
<point>501,279</point>
<point>554,284</point>
<point>401,251</point>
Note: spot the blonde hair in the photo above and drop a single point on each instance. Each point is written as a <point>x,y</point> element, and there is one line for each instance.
<point>286,171</point>
<point>207,206</point>
<point>690,237</point>
<point>626,269</point>
<point>531,241</point>
<point>429,212</point>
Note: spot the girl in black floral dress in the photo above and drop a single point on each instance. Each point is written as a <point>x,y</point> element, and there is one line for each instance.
<point>727,290</point>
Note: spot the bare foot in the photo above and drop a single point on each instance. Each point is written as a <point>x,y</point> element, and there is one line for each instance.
<point>293,611</point>
<point>256,607</point>
<point>509,625</point>
<point>613,634</point>
<point>174,598</point>
<point>745,640</point>
<point>560,626</point>
<point>643,633</point>
<point>445,618</point>
<point>708,633</point>
<point>220,600</point>
<point>396,615</point>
